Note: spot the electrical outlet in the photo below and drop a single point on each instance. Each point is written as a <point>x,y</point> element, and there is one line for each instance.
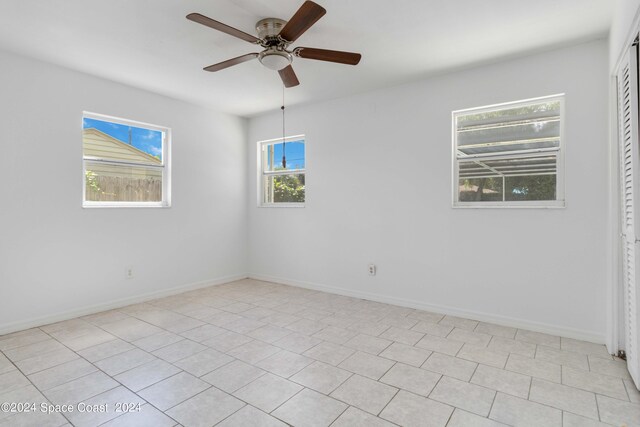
<point>128,272</point>
<point>372,269</point>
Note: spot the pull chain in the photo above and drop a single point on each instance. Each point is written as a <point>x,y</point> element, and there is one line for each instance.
<point>284,157</point>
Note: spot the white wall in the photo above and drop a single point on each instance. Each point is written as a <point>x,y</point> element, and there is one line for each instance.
<point>379,190</point>
<point>625,12</point>
<point>57,258</point>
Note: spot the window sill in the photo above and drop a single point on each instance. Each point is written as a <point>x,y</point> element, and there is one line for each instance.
<point>93,205</point>
<point>281,205</point>
<point>551,204</point>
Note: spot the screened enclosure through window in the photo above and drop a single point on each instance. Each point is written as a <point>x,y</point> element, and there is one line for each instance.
<point>509,154</point>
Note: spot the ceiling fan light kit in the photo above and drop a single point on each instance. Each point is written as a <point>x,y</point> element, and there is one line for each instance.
<point>275,35</point>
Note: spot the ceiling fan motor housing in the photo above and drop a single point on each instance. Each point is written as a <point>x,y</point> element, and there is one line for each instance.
<point>269,27</point>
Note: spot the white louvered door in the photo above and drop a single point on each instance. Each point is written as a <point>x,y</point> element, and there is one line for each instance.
<point>629,150</point>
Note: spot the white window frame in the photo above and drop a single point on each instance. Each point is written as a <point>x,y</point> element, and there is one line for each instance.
<point>165,166</point>
<point>262,174</point>
<point>560,180</point>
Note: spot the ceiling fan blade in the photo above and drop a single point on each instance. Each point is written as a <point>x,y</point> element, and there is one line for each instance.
<point>304,18</point>
<point>201,19</point>
<point>230,62</point>
<point>289,77</point>
<point>348,58</point>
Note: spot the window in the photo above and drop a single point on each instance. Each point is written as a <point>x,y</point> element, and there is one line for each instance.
<point>125,163</point>
<point>282,167</point>
<point>509,155</point>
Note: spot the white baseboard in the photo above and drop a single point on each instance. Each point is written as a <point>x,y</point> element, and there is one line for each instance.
<point>96,308</point>
<point>441,309</point>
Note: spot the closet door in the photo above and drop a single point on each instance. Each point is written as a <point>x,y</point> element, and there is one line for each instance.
<point>629,148</point>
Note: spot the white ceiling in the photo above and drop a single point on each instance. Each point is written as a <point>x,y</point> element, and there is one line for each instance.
<point>149,43</point>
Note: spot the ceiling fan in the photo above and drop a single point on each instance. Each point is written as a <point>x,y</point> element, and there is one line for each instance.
<point>275,36</point>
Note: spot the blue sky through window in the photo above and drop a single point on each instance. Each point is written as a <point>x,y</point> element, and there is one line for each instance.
<point>147,140</point>
<point>294,151</point>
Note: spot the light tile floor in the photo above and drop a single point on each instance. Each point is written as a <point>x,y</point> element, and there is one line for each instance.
<point>252,353</point>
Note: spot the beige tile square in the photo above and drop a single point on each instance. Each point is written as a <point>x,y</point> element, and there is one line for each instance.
<point>297,343</point>
<point>309,408</point>
<point>426,316</point>
<point>284,363</point>
<point>501,380</point>
<point>330,353</point>
<point>89,340</point>
<point>44,361</point>
<point>12,380</point>
<point>105,350</point>
<point>61,374</point>
<point>572,420</point>
<point>306,326</point>
<point>406,354</point>
<point>415,380</point>
<point>108,399</point>
<point>459,322</point>
<point>227,341</point>
<point>157,341</point>
<point>407,409</point>
<point>450,366</point>
<point>534,368</point>
<point>614,367</point>
<point>432,329</point>
<point>594,382</point>
<point>368,344</point>
<point>584,347</point>
<point>369,328</point>
<point>367,365</point>
<point>32,350</point>
<point>269,333</point>
<point>563,397</point>
<point>617,412</point>
<point>6,365</point>
<point>268,392</point>
<point>131,329</point>
<point>561,357</point>
<point>440,345</point>
<point>321,377</point>
<point>180,350</point>
<point>335,335</point>
<point>514,411</point>
<point>483,355</point>
<point>463,395</point>
<point>147,416</point>
<point>81,389</point>
<point>233,376</point>
<point>203,362</point>
<point>145,375</point>
<point>366,394</point>
<point>512,346</point>
<point>244,325</point>
<point>205,409</point>
<point>404,336</point>
<point>251,417</point>
<point>462,418</point>
<point>119,363</point>
<point>203,333</point>
<point>22,338</point>
<point>354,417</point>
<point>253,352</point>
<point>173,390</point>
<point>496,330</point>
<point>475,338</point>
<point>538,338</point>
<point>632,391</point>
